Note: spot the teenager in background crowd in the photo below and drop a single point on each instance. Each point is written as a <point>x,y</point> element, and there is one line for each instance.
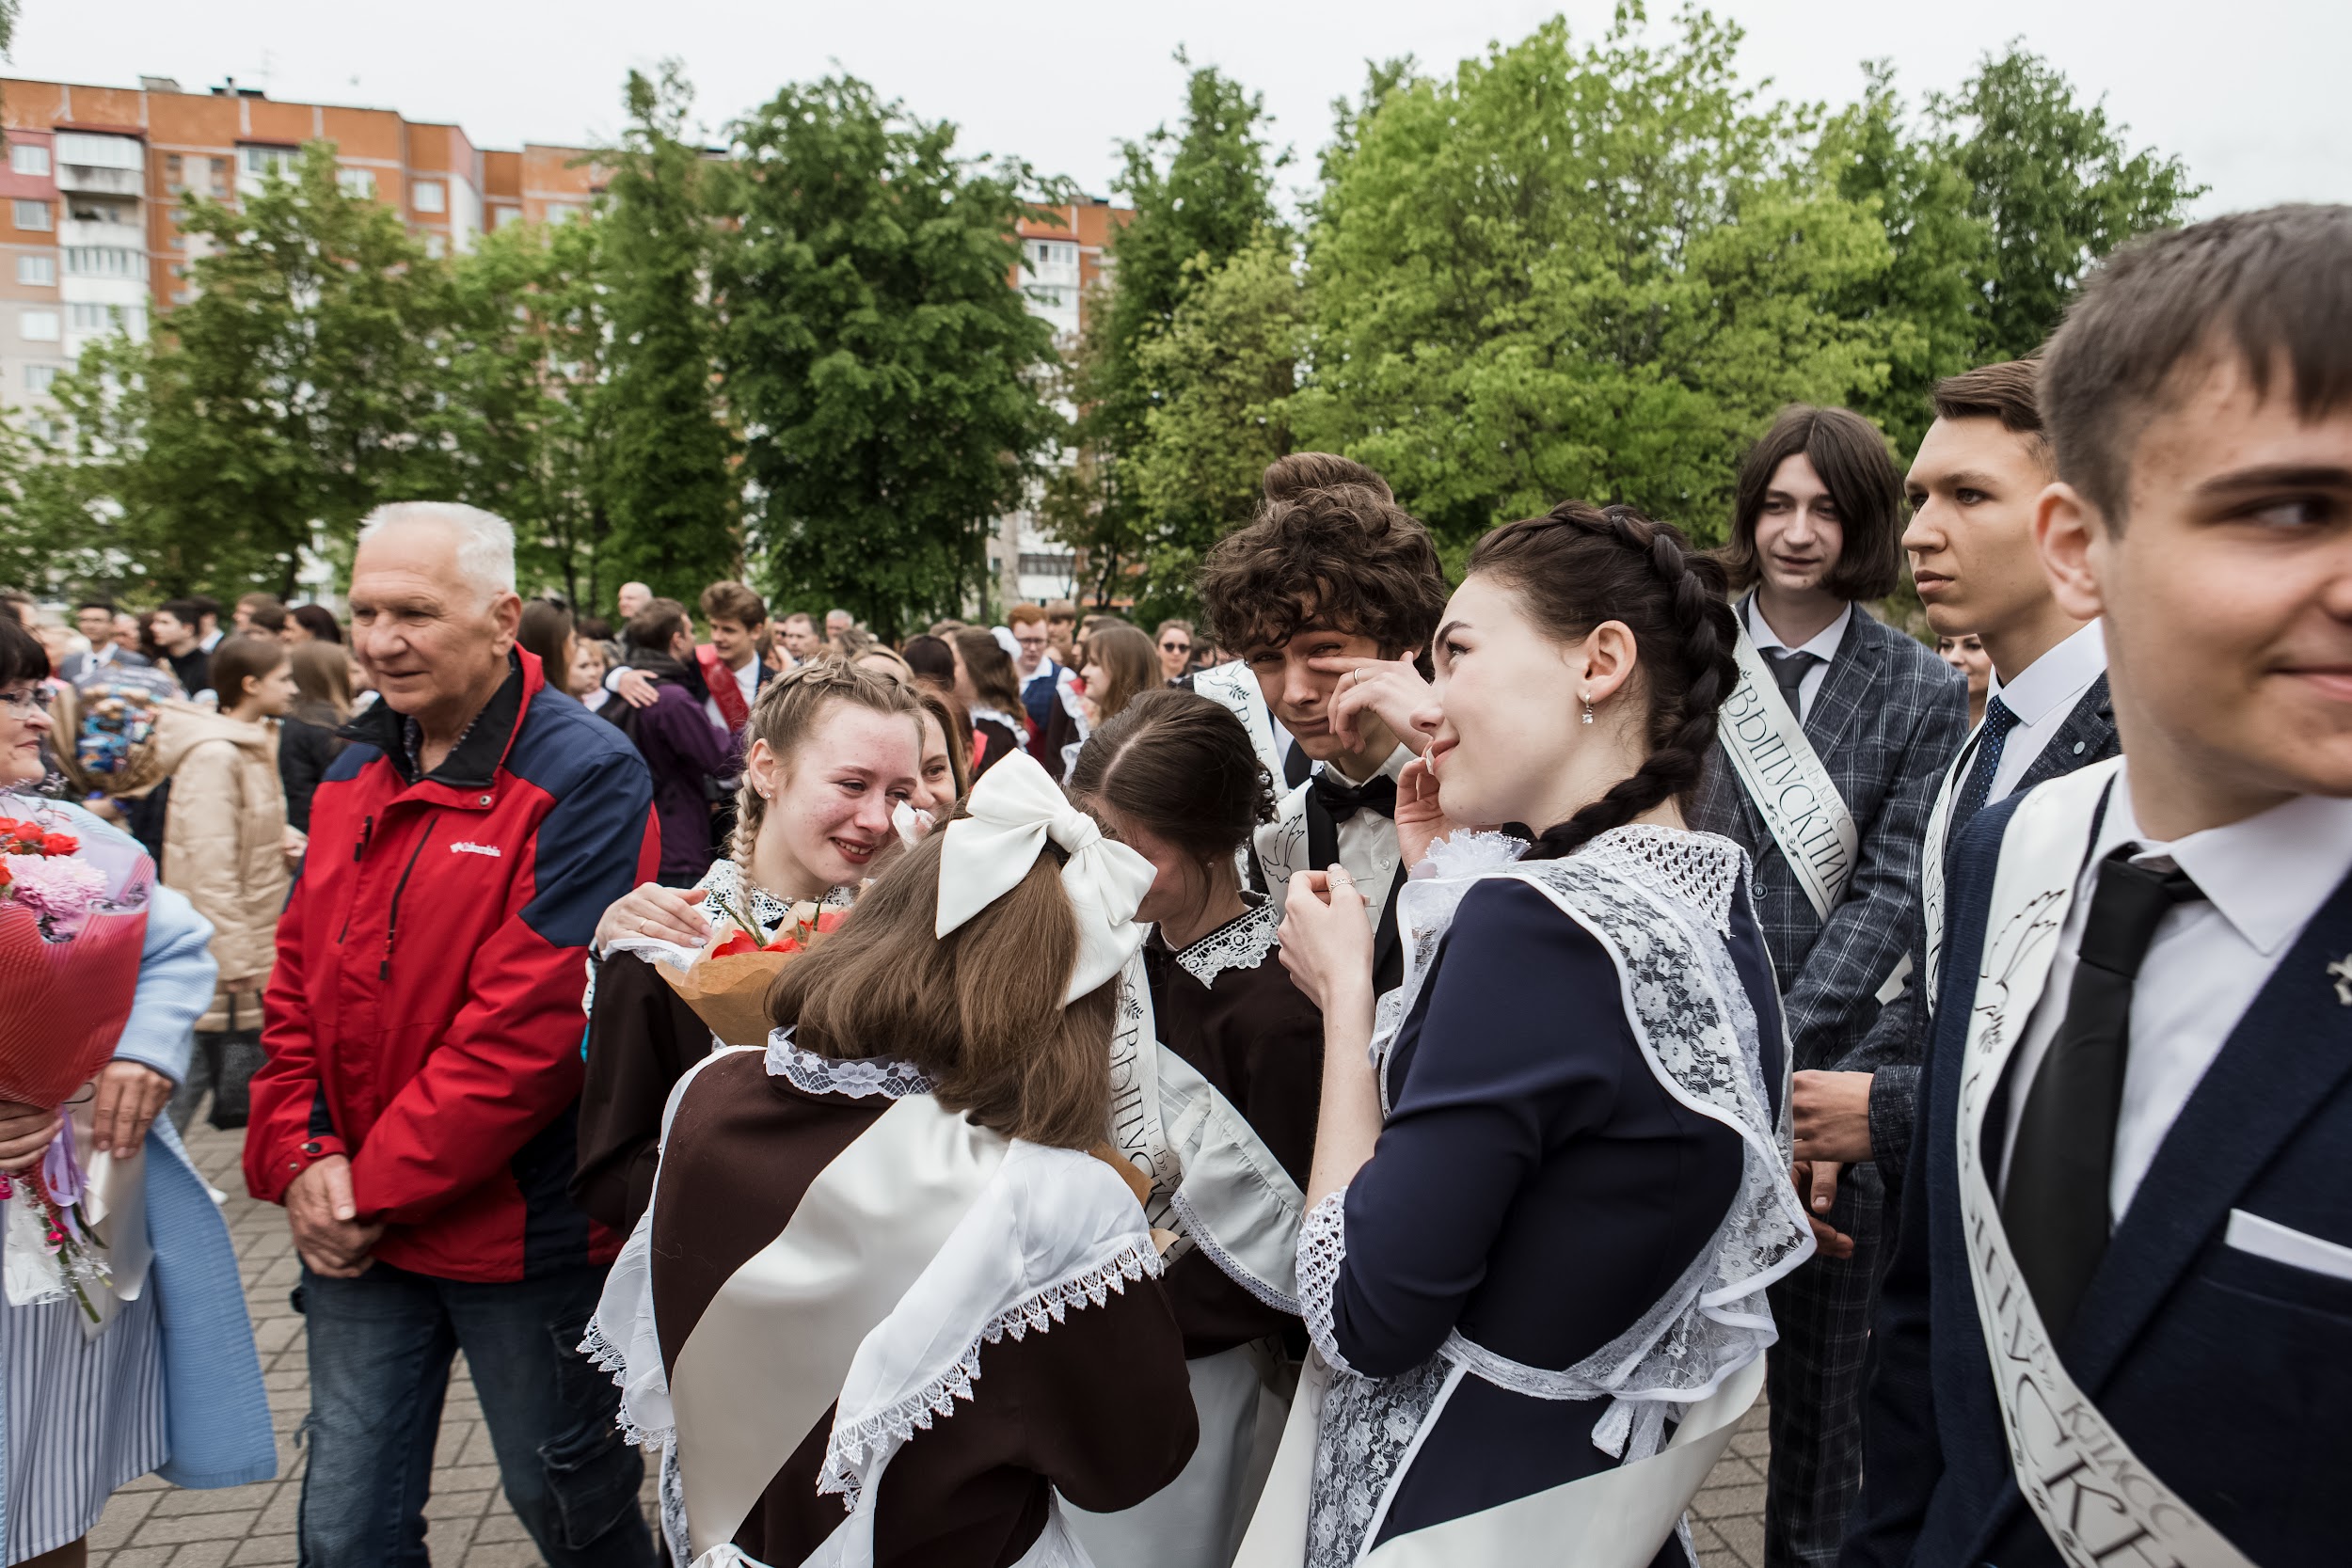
<point>308,741</point>
<point>95,618</point>
<point>1062,628</point>
<point>986,686</point>
<point>683,751</point>
<point>932,661</point>
<point>1965,654</point>
<point>947,752</point>
<point>730,661</point>
<point>256,612</point>
<point>1174,642</point>
<point>1119,664</point>
<point>227,844</point>
<point>2127,1199</point>
<point>1047,686</point>
<point>173,627</point>
<point>832,749</point>
<point>1869,718</point>
<point>585,680</point>
<point>1330,579</point>
<point>311,622</point>
<point>1173,776</point>
<point>546,633</point>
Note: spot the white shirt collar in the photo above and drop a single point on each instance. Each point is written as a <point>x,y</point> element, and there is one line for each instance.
<point>2267,876</point>
<point>2058,678</point>
<point>1824,645</point>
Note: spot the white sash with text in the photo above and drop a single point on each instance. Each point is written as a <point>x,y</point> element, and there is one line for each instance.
<point>1807,817</point>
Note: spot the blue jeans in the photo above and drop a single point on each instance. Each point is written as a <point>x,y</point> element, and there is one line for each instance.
<point>380,1350</point>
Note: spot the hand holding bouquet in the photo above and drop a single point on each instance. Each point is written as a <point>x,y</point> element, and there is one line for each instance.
<point>727,985</point>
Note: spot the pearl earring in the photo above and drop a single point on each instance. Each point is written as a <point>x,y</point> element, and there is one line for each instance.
<point>1588,710</point>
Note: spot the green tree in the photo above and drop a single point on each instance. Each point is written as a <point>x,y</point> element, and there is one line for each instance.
<point>290,396</point>
<point>1200,195</point>
<point>1224,369</point>
<point>1588,271</point>
<point>670,477</point>
<point>892,382</point>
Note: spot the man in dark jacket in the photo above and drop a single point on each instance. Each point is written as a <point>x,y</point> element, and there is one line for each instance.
<point>686,754</point>
<point>422,1027</point>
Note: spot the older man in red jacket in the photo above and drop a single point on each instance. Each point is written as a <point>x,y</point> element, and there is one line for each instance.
<point>422,1027</point>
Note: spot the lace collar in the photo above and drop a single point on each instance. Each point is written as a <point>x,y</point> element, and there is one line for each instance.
<point>1241,943</point>
<point>858,1077</point>
<point>1696,869</point>
<point>725,883</point>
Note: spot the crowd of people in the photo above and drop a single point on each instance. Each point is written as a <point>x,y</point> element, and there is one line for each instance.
<point>1390,1075</point>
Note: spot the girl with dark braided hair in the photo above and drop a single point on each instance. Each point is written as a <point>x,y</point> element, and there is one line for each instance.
<point>1544,1217</point>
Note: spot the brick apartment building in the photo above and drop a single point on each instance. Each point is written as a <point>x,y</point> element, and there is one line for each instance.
<point>89,198</point>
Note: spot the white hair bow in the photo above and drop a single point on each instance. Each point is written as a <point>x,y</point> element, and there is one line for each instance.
<point>1015,808</point>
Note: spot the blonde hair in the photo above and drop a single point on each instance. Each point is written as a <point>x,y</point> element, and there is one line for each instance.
<point>979,1009</point>
<point>786,712</point>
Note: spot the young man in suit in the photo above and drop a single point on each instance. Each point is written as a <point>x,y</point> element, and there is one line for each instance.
<point>2119,1327</point>
<point>1831,747</point>
<point>1973,489</point>
<point>1330,580</point>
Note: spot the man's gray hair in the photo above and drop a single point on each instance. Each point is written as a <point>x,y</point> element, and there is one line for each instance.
<point>486,541</point>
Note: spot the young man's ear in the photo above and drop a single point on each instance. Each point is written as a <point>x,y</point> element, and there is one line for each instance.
<point>2065,528</point>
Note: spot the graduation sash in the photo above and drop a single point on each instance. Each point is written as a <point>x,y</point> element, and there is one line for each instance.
<point>2099,1504</point>
<point>1777,765</point>
<point>1236,688</point>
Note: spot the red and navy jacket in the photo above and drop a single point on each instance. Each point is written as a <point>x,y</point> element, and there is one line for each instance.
<point>425,1014</point>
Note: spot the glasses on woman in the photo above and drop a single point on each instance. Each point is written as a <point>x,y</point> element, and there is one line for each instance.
<point>23,702</point>
<point>1174,647</point>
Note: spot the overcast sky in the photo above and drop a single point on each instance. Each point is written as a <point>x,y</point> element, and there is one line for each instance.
<point>2250,93</point>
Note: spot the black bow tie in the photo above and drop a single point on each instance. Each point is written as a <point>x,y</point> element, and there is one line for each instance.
<point>1343,800</point>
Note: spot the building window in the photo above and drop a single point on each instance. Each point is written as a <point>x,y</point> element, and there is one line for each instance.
<point>564,211</point>
<point>34,216</point>
<point>86,316</point>
<point>356,181</point>
<point>180,297</point>
<point>501,217</point>
<point>40,271</point>
<point>175,173</point>
<point>435,247</point>
<point>37,377</point>
<point>258,162</point>
<point>38,327</point>
<point>26,157</point>
<point>104,261</point>
<point>429,195</point>
<point>219,176</point>
<point>93,149</point>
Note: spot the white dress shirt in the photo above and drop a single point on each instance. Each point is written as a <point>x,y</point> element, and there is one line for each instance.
<point>1367,842</point>
<point>2041,697</point>
<point>1824,647</point>
<point>2263,879</point>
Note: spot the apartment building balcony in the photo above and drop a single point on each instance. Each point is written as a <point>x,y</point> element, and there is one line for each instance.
<point>93,179</point>
<point>102,231</point>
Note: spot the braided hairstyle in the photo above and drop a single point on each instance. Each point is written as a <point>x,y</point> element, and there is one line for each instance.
<point>785,713</point>
<point>1580,565</point>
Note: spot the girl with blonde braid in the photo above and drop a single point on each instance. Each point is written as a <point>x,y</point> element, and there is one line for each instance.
<point>833,751</point>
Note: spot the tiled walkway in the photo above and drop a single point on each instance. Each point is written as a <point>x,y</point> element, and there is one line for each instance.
<point>150,1525</point>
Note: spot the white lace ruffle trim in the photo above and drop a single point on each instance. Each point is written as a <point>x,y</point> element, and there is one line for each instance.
<point>1242,942</point>
<point>858,1077</point>
<point>611,1359</point>
<point>885,1430</point>
<point>1190,1225</point>
<point>1321,1248</point>
<point>1699,869</point>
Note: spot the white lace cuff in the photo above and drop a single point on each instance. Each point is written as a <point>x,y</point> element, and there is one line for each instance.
<point>1321,1248</point>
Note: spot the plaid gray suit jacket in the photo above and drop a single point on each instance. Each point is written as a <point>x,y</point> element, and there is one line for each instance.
<point>1886,723</point>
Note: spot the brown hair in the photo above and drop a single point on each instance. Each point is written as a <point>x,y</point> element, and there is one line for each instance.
<point>1851,457</point>
<point>246,657</point>
<point>1340,554</point>
<point>2004,391</point>
<point>263,612</point>
<point>545,630</point>
<point>1060,610</point>
<point>734,601</point>
<point>1182,767</point>
<point>322,673</point>
<point>1130,665</point>
<point>2272,288</point>
<point>979,1009</point>
<point>989,667</point>
<point>956,726</point>
<point>1580,565</point>
<point>786,711</point>
<point>653,627</point>
<point>931,659</point>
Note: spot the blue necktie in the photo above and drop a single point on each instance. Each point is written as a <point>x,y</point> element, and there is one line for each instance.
<point>1977,789</point>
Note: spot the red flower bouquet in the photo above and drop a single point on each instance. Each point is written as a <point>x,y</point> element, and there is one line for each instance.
<point>727,985</point>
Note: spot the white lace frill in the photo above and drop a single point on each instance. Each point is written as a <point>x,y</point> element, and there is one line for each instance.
<point>1242,942</point>
<point>857,1077</point>
<point>623,1342</point>
<point>1658,900</point>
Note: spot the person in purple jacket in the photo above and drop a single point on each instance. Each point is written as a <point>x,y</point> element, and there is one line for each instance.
<point>685,752</point>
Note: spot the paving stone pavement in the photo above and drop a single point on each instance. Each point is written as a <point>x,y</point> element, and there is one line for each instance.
<point>151,1525</point>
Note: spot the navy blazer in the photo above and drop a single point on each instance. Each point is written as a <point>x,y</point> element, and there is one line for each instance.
<point>2229,1375</point>
<point>1885,723</point>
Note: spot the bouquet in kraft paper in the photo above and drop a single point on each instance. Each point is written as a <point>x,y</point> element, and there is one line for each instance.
<point>727,983</point>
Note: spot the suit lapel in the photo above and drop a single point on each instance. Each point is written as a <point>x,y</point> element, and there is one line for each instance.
<point>2087,737</point>
<point>2283,1060</point>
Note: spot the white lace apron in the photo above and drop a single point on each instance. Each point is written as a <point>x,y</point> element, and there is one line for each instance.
<point>1658,901</point>
<point>925,1239</point>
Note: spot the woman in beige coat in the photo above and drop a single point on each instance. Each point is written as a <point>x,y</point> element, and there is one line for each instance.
<point>227,846</point>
